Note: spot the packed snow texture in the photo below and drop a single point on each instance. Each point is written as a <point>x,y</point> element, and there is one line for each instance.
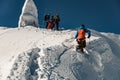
<point>29,15</point>
<point>30,53</point>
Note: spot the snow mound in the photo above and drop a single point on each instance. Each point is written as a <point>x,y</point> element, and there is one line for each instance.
<point>39,54</point>
<point>25,65</point>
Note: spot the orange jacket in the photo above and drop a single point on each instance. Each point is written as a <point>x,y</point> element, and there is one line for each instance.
<point>81,34</point>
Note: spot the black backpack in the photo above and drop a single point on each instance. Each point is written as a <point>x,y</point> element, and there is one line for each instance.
<point>47,17</point>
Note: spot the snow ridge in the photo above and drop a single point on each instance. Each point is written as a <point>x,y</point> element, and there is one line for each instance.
<point>50,55</point>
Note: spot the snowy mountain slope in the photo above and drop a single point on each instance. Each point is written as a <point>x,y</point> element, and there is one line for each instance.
<point>39,54</point>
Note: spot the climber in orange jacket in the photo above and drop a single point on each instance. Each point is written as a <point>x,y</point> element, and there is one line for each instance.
<point>80,37</point>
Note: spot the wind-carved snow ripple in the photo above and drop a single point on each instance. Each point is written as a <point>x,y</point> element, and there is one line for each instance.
<point>25,66</point>
<point>105,52</point>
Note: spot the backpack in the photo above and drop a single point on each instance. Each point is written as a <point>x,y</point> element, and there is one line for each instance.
<point>57,19</point>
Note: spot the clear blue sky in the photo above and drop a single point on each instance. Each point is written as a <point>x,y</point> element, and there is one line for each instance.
<point>100,15</point>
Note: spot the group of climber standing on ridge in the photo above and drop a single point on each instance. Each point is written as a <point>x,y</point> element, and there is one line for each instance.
<point>52,21</point>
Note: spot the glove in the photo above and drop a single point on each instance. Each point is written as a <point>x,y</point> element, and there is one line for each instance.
<point>88,37</point>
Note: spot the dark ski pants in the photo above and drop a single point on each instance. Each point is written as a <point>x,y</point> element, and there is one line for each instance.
<point>81,44</point>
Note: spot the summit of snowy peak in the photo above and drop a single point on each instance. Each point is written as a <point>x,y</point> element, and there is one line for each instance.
<point>31,53</point>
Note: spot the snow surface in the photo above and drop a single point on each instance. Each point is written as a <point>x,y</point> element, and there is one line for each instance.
<point>29,15</point>
<point>30,53</point>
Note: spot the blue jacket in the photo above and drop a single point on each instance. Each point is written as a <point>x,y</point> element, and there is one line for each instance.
<point>86,30</point>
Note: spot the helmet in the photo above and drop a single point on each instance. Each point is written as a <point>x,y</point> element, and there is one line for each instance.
<point>82,26</point>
